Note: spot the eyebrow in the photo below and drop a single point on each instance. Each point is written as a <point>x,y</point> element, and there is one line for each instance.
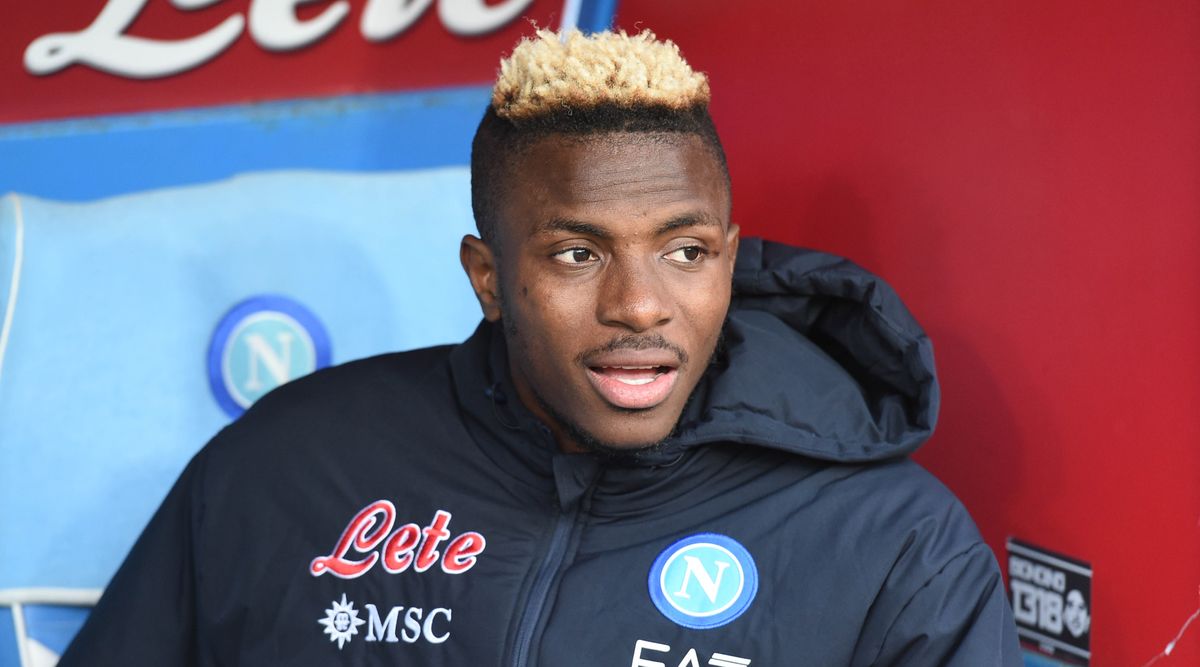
<point>573,227</point>
<point>588,229</point>
<point>688,220</point>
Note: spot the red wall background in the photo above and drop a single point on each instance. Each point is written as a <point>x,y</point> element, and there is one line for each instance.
<point>1027,175</point>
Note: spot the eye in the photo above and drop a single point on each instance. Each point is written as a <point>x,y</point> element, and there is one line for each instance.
<point>687,255</point>
<point>575,256</point>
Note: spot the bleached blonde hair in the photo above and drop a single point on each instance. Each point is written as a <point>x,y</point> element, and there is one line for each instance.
<point>551,72</point>
<point>583,86</point>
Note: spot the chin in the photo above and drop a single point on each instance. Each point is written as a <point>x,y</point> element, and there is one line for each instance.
<point>622,443</point>
<point>615,449</point>
<point>616,442</point>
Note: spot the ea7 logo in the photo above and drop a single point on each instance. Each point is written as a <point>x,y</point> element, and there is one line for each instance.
<point>703,581</point>
<point>690,659</point>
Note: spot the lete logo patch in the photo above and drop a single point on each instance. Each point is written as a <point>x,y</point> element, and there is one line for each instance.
<point>703,581</point>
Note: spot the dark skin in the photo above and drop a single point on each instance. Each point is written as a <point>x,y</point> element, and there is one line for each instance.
<point>612,283</point>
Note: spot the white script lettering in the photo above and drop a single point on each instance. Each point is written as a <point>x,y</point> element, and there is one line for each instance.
<point>104,45</point>
<point>273,23</point>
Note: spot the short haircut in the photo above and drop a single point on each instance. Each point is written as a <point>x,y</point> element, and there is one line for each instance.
<point>584,86</point>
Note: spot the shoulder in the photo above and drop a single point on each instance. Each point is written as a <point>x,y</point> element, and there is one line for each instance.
<point>923,534</point>
<point>928,524</point>
<point>895,499</point>
<point>323,441</point>
<point>941,597</point>
<point>909,553</point>
<point>905,481</point>
<point>339,408</point>
<point>894,521</point>
<point>397,379</point>
<point>379,378</point>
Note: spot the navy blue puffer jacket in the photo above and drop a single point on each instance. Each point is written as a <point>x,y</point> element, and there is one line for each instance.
<point>406,510</point>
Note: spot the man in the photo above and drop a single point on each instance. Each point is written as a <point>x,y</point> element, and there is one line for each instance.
<point>617,468</point>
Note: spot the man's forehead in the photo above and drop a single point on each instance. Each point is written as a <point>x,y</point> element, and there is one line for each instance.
<point>610,169</point>
<point>646,146</point>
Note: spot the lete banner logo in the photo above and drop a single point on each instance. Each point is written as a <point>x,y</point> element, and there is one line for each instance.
<point>117,56</point>
<point>274,25</point>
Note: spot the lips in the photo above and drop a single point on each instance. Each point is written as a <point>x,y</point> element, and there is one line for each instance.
<point>634,381</point>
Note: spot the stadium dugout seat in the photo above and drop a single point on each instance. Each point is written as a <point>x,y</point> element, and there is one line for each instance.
<point>36,624</point>
<point>135,327</point>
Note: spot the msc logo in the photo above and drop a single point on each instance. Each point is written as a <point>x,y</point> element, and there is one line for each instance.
<point>261,343</point>
<point>341,623</point>
<point>703,581</point>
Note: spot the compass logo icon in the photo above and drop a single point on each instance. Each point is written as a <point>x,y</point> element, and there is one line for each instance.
<point>341,621</point>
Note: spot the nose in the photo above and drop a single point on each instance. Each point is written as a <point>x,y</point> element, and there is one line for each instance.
<point>633,297</point>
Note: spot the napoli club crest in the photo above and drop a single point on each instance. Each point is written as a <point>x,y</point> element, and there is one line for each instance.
<point>261,343</point>
<point>703,581</point>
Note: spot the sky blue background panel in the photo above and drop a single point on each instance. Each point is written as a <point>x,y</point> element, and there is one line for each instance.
<point>8,639</point>
<point>97,157</point>
<point>104,394</point>
<point>54,626</point>
<point>596,15</point>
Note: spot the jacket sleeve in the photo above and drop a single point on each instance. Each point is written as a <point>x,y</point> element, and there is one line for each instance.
<point>146,615</point>
<point>960,616</point>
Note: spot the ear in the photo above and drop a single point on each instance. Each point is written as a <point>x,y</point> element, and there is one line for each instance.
<point>731,243</point>
<point>479,262</point>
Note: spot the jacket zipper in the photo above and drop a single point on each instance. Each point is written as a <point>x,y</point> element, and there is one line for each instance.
<point>551,562</point>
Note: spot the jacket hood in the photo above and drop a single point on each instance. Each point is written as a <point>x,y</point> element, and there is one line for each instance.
<point>820,358</point>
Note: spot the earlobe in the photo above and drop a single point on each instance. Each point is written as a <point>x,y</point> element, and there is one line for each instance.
<point>479,262</point>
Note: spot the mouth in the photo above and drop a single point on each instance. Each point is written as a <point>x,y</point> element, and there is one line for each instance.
<point>633,386</point>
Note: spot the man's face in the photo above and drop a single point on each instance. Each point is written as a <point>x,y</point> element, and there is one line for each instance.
<point>614,280</point>
<point>1075,614</point>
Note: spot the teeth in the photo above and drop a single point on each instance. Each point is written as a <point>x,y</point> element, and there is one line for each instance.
<point>634,368</point>
<point>640,381</point>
